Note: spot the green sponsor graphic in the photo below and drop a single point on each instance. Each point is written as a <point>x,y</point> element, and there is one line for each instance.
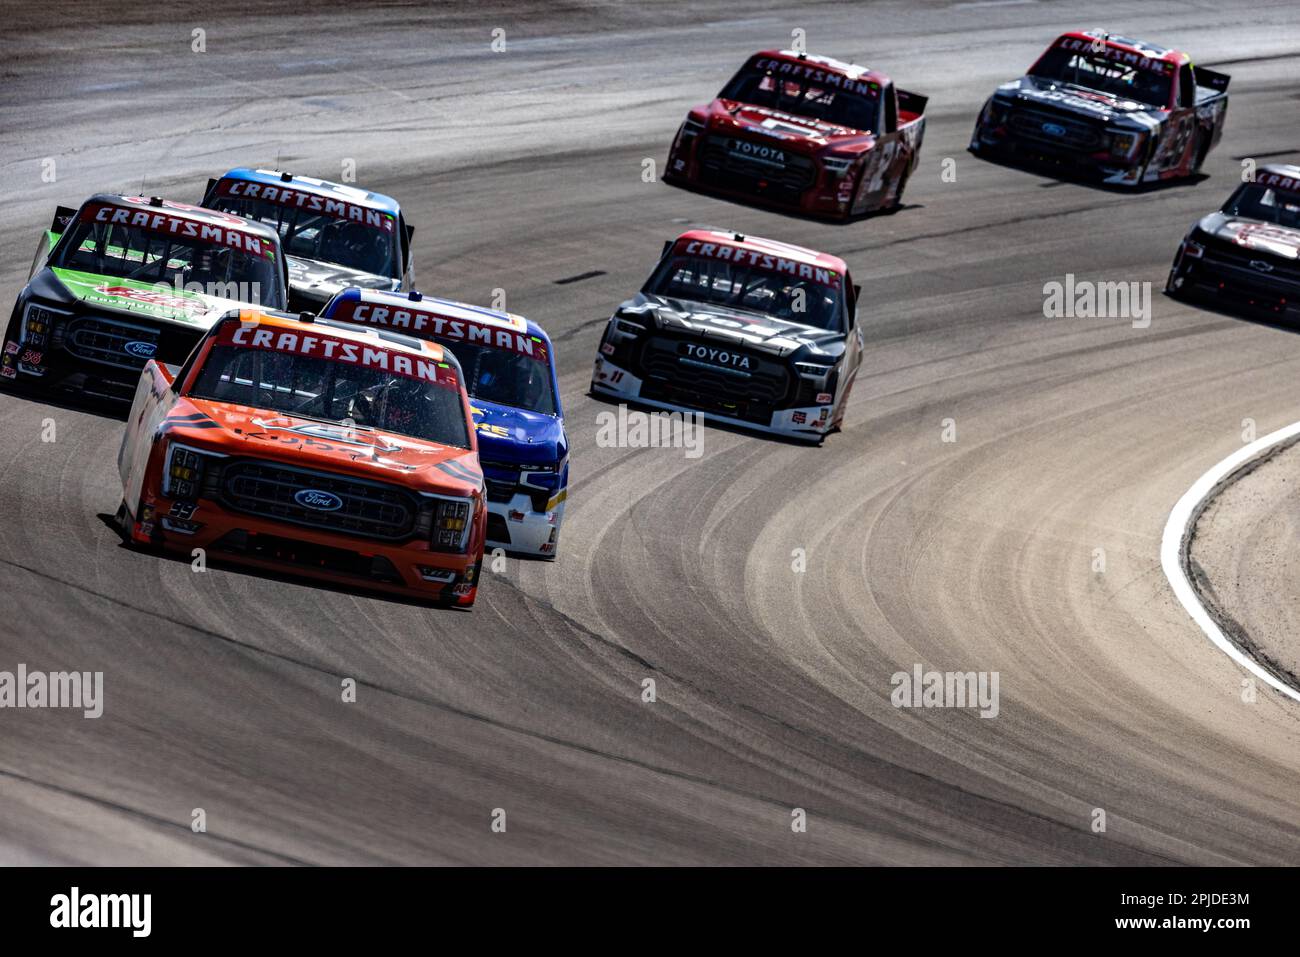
<point>160,301</point>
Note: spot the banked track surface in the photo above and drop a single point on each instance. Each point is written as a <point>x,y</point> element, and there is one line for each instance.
<point>523,168</point>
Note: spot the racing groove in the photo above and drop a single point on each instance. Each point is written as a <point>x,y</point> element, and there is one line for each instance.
<point>772,686</point>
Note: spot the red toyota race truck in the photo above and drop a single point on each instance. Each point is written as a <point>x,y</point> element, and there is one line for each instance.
<point>803,133</point>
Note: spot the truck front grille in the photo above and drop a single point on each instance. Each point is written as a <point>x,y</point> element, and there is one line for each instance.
<point>110,342</point>
<point>343,504</point>
<point>1041,126</point>
<point>724,167</point>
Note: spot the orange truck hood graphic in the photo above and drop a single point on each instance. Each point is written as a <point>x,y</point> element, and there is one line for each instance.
<point>239,430</point>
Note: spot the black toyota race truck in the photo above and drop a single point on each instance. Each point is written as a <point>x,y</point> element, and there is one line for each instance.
<point>748,331</point>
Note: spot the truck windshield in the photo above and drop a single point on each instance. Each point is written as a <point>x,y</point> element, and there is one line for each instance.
<point>785,297</point>
<point>188,262</point>
<point>803,97</point>
<point>1258,201</point>
<point>337,392</point>
<point>321,236</point>
<point>504,377</point>
<point>1096,71</point>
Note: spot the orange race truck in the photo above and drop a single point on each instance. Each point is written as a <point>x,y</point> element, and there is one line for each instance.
<point>322,449</point>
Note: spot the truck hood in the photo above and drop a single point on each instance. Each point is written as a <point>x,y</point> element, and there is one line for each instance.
<point>530,438</point>
<point>316,280</point>
<point>727,326</point>
<point>131,298</point>
<point>239,430</point>
<point>785,130</point>
<point>1082,101</point>
<point>1253,234</point>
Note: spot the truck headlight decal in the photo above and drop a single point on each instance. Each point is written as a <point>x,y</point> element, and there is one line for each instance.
<point>1125,145</point>
<point>625,327</point>
<point>451,524</point>
<point>186,468</point>
<point>813,370</point>
<point>38,322</point>
<point>837,165</point>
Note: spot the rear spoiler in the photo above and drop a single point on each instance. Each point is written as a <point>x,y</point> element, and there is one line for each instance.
<point>911,102</point>
<point>63,217</point>
<point>208,192</point>
<point>1211,78</point>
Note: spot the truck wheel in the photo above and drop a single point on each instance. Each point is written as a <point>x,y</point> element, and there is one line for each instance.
<point>122,520</point>
<point>1202,151</point>
<point>898,197</point>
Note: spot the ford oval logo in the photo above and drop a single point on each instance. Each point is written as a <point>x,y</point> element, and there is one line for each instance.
<point>141,350</point>
<point>320,501</point>
<point>1053,129</point>
<point>1261,265</point>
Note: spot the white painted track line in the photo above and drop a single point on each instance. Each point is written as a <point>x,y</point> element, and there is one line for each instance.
<point>1178,529</point>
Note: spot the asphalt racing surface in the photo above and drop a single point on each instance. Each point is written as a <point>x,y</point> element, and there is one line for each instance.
<point>522,171</point>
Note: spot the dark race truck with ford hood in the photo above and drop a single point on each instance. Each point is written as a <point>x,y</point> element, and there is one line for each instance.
<point>1109,109</point>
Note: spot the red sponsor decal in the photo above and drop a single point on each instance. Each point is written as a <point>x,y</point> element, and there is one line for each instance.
<point>800,418</point>
<point>818,73</point>
<point>11,347</point>
<point>823,398</point>
<point>154,298</point>
<point>1263,236</point>
<point>32,357</point>
<point>312,202</point>
<point>252,335</point>
<point>9,372</point>
<point>187,208</point>
<point>759,260</point>
<point>1116,53</point>
<point>1278,181</point>
<point>155,220</point>
<point>429,324</point>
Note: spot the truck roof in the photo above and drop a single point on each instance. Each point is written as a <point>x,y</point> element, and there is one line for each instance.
<point>320,187</point>
<point>825,64</point>
<point>1137,48</point>
<point>350,332</point>
<point>1288,174</point>
<point>767,246</point>
<point>198,214</point>
<point>447,308</point>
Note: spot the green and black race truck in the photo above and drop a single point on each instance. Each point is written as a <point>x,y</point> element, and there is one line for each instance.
<point>125,279</point>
